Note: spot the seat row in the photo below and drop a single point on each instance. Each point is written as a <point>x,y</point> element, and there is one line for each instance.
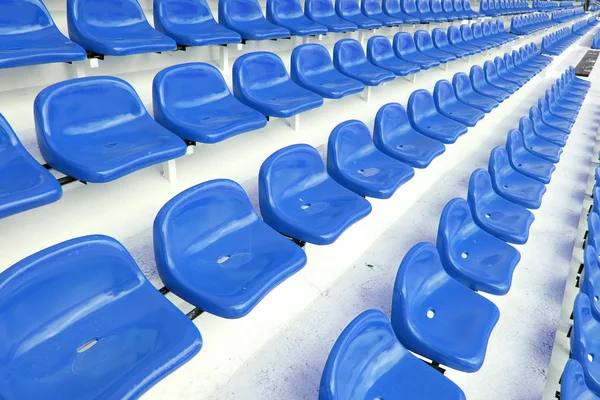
<point>557,42</point>
<point>494,8</point>
<point>580,28</point>
<point>100,343</point>
<point>544,5</point>
<point>567,15</point>
<point>528,24</point>
<point>436,285</point>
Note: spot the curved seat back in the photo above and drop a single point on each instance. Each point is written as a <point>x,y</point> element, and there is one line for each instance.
<point>99,18</point>
<point>281,10</point>
<point>348,142</point>
<point>584,330</point>
<point>477,77</point>
<point>590,281</point>
<point>423,41</point>
<point>486,29</point>
<point>233,12</point>
<point>409,6</point>
<point>444,96</point>
<point>466,33</point>
<point>391,7</point>
<point>436,7</point>
<point>391,122</point>
<point>447,7</point>
<point>172,15</point>
<point>347,8</point>
<point>379,48</point>
<point>499,165</point>
<point>420,105</point>
<point>18,17</point>
<point>454,35</point>
<point>439,38</point>
<point>462,85</point>
<point>371,7</point>
<point>480,192</point>
<point>348,53</point>
<point>477,30</point>
<point>255,72</point>
<point>573,384</point>
<point>404,44</point>
<point>423,6</point>
<point>594,230</point>
<point>484,6</point>
<point>309,60</point>
<point>457,5</point>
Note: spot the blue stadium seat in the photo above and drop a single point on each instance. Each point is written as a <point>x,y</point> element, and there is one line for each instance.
<point>481,85</point>
<point>312,68</point>
<point>513,69</point>
<point>261,81</point>
<point>472,256</point>
<point>349,58</point>
<point>524,161</point>
<point>115,28</point>
<point>24,183</point>
<point>492,78</point>
<point>394,136</point>
<point>585,341</point>
<point>381,54</point>
<point>590,279</point>
<point>460,12</point>
<point>468,38</point>
<point>299,199</point>
<point>106,332</point>
<point>488,33</point>
<point>354,162</point>
<point>246,18</point>
<point>575,80</point>
<point>440,42</point>
<point>463,89</point>
<point>455,39</point>
<point>504,73</point>
<point>469,10</point>
<point>536,145</point>
<point>410,7</point>
<point>350,11</point>
<point>425,11</point>
<point>521,64</point>
<point>426,119</point>
<point>97,130</point>
<point>567,113</point>
<point>573,386</point>
<point>289,14</point>
<point>437,10</point>
<point>593,238</point>
<point>191,23</point>
<point>322,12</point>
<point>424,44</point>
<point>393,9</point>
<point>451,13</point>
<point>29,36</point>
<point>368,362</point>
<point>448,105</point>
<point>558,123</point>
<point>405,49</point>
<point>511,184</point>
<point>494,214</point>
<point>544,131</point>
<point>565,99</point>
<point>193,101</point>
<point>429,310</point>
<point>242,262</point>
<point>372,9</point>
<point>477,33</point>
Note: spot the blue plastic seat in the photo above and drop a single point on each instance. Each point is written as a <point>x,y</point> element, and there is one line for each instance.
<point>463,89</point>
<point>555,98</point>
<point>289,14</point>
<point>191,23</point>
<point>393,9</point>
<point>24,183</point>
<point>505,74</point>
<point>556,122</point>
<point>97,130</point>
<point>544,131</point>
<point>394,136</point>
<point>511,184</point>
<point>472,256</point>
<point>261,81</point>
<point>455,39</point>
<point>242,262</point>
<point>193,101</point>
<point>477,33</point>
<point>536,145</point>
<point>424,44</point>
<point>109,334</point>
<point>494,214</point>
<point>481,85</point>
<point>521,64</point>
<point>354,162</point>
<point>440,42</point>
<point>349,58</point>
<point>350,11</point>
<point>555,108</point>
<point>573,386</point>
<point>429,310</point>
<point>381,54</point>
<point>425,11</point>
<point>585,341</point>
<point>246,18</point>
<point>451,13</point>
<point>437,10</point>
<point>513,69</point>
<point>448,105</point>
<point>468,38</point>
<point>491,76</point>
<point>426,119</point>
<point>405,49</point>
<point>29,36</point>
<point>410,7</point>
<point>116,28</point>
<point>524,161</point>
<point>299,199</point>
<point>372,9</point>
<point>322,12</point>
<point>590,280</point>
<point>312,68</point>
<point>460,12</point>
<point>593,238</point>
<point>368,362</point>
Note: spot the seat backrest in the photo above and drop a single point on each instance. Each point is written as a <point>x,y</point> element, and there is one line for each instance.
<point>526,128</point>
<point>310,59</point>
<point>477,30</point>
<point>439,38</point>
<point>573,384</point>
<point>98,15</point>
<point>484,6</point>
<point>443,94</point>
<point>489,69</point>
<point>456,218</point>
<point>371,7</point>
<point>347,7</point>
<point>594,230</point>
<point>420,105</point>
<point>409,6</point>
<point>500,64</point>
<point>514,143</point>
<point>404,43</point>
<point>235,11</point>
<point>462,84</point>
<point>486,29</point>
<point>379,48</point>
<point>391,122</point>
<point>480,188</point>
<point>454,35</point>
<point>391,6</point>
<point>423,6</point>
<point>465,31</point>
<point>168,13</point>
<point>590,281</point>
<point>582,318</point>
<point>499,165</point>
<point>422,40</point>
<point>457,4</point>
<point>193,220</point>
<point>186,86</point>
<point>436,6</point>
<point>284,9</point>
<point>257,71</point>
<point>348,52</point>
<point>8,138</point>
<point>477,77</point>
<point>71,109</point>
<point>447,6</point>
<point>348,141</point>
<point>493,28</point>
<point>19,16</point>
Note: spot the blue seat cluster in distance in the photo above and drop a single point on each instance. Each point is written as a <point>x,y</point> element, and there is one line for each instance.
<point>495,8</point>
<point>528,24</point>
<point>567,15</point>
<point>99,141</point>
<point>116,28</point>
<point>29,36</point>
<point>114,335</point>
<point>580,28</point>
<point>24,183</point>
<point>557,42</point>
<point>244,260</point>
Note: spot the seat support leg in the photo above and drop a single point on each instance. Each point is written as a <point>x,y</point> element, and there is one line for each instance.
<point>294,122</point>
<point>361,38</point>
<point>412,78</point>
<point>169,171</point>
<point>224,57</point>
<point>305,39</point>
<point>444,66</point>
<point>78,69</point>
<point>367,94</point>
